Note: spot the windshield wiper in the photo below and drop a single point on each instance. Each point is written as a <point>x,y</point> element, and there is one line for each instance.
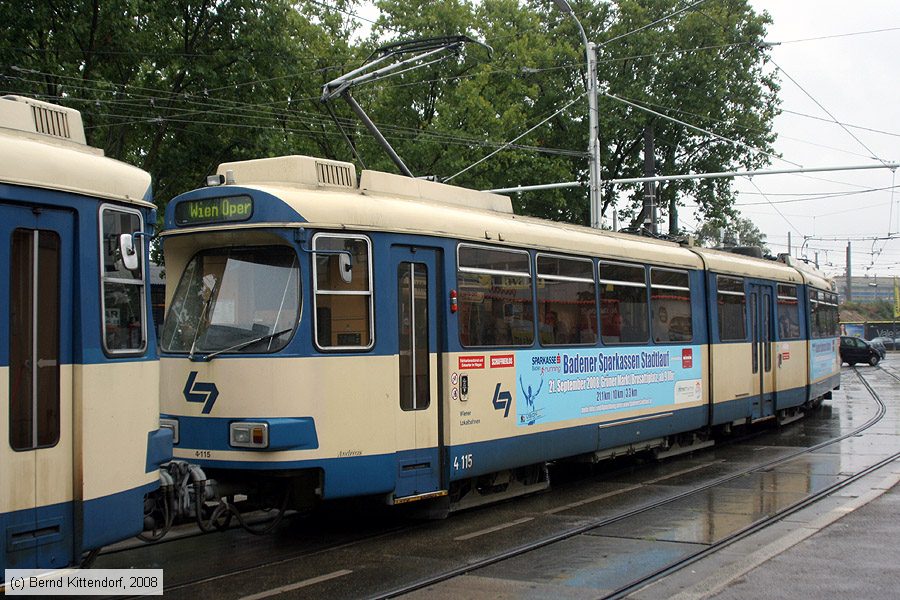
<point>209,290</point>
<point>262,338</point>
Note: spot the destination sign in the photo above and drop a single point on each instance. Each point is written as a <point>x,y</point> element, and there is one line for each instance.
<point>214,210</point>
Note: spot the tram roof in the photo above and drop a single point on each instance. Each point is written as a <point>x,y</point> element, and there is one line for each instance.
<point>388,202</point>
<point>730,263</point>
<point>326,195</point>
<point>42,145</point>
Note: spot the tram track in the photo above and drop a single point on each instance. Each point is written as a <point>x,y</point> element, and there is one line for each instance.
<point>188,531</point>
<point>626,590</point>
<point>385,536</point>
<point>130,547</point>
<point>648,578</point>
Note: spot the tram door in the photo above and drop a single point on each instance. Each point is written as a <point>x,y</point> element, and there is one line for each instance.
<point>763,335</point>
<point>419,327</point>
<point>36,445</point>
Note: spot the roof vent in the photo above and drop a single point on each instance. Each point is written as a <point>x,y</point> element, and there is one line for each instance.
<point>333,173</point>
<point>34,116</point>
<point>292,170</point>
<point>50,122</point>
<point>751,251</point>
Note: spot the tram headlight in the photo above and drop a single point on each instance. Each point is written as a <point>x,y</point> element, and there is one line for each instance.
<point>249,435</point>
<point>170,424</point>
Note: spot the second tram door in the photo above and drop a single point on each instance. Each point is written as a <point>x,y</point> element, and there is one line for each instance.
<point>419,327</point>
<point>763,336</point>
<point>36,436</point>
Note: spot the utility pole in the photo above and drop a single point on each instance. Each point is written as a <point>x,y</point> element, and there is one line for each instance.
<point>649,186</point>
<point>673,213</point>
<point>849,276</point>
<point>590,51</point>
<point>594,141</point>
<point>789,244</point>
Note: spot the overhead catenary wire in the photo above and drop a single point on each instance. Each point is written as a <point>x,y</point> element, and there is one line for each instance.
<point>311,118</point>
<point>786,220</point>
<point>699,129</point>
<point>654,23</point>
<point>481,160</point>
<point>872,153</point>
<point>812,198</point>
<point>316,120</point>
<point>800,195</point>
<point>251,82</point>
<point>335,7</point>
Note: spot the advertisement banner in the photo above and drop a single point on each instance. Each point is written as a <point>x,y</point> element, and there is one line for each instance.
<point>823,358</point>
<point>572,384</point>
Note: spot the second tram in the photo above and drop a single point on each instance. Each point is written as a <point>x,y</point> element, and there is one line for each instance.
<point>80,443</point>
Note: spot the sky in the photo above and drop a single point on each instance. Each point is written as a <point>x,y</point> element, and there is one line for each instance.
<point>853,77</point>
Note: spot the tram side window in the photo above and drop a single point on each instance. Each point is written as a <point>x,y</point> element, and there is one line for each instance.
<point>732,308</point>
<point>835,316</point>
<point>788,312</point>
<point>567,304</point>
<point>343,292</point>
<point>670,297</point>
<point>814,314</point>
<point>495,297</point>
<point>124,307</point>
<point>823,314</point>
<point>824,306</point>
<point>624,317</point>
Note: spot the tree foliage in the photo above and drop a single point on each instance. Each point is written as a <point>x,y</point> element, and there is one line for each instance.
<point>739,231</point>
<point>178,87</point>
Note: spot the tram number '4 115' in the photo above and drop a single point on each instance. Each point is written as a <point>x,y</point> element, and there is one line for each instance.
<point>462,462</point>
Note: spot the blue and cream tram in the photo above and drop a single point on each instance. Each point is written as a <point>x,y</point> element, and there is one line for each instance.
<point>398,337</point>
<point>80,442</point>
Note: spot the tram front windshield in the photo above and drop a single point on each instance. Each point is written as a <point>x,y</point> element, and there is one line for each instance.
<point>235,300</point>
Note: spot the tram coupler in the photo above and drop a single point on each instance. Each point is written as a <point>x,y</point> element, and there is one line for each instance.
<point>184,490</point>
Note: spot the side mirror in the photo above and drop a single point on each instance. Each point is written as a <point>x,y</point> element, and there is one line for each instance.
<point>344,267</point>
<point>127,252</point>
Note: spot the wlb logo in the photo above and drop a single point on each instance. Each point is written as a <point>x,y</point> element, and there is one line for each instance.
<point>202,393</point>
<point>502,401</point>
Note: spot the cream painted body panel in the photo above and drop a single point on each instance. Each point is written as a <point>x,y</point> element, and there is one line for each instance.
<point>17,489</point>
<point>729,263</point>
<point>353,399</point>
<point>39,477</point>
<point>790,371</point>
<point>350,210</point>
<point>418,428</point>
<point>729,381</point>
<point>114,416</point>
<point>732,382</point>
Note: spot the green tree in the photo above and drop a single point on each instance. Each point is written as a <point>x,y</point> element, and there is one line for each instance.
<point>178,87</point>
<point>703,67</point>
<point>738,231</point>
